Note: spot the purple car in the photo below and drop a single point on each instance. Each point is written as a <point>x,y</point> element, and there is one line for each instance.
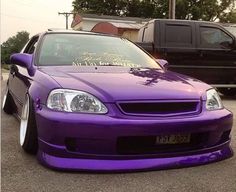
<point>95,102</point>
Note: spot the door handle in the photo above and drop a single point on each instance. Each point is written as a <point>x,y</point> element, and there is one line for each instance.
<point>201,54</point>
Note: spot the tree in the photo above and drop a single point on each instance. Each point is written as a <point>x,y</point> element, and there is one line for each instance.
<point>106,7</point>
<point>137,8</point>
<point>229,17</point>
<point>13,44</point>
<point>209,10</point>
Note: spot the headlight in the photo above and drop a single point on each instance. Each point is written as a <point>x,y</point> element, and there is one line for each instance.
<point>75,101</point>
<point>213,100</point>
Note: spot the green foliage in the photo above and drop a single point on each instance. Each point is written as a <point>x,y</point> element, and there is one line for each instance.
<point>14,44</point>
<point>133,8</point>
<point>111,7</point>
<point>229,17</point>
<point>208,10</point>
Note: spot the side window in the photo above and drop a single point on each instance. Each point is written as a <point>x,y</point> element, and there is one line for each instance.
<point>140,34</point>
<point>149,32</point>
<point>214,38</point>
<point>31,45</point>
<point>178,35</point>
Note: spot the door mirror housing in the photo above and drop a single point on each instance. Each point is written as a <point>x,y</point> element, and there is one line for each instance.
<point>234,44</point>
<point>163,63</point>
<point>23,60</point>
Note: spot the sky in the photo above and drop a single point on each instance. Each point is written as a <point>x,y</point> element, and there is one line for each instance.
<point>33,16</point>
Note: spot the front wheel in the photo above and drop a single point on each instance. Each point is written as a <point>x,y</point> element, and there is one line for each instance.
<point>28,129</point>
<point>228,91</point>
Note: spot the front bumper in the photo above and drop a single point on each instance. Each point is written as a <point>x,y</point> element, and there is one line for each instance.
<point>96,140</point>
<point>134,164</point>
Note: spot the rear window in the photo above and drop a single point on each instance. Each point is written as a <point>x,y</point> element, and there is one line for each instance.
<point>92,50</point>
<point>149,33</point>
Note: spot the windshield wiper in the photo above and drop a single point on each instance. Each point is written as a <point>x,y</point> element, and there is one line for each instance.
<point>138,68</point>
<point>110,65</point>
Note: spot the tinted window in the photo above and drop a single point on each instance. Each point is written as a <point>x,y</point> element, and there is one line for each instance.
<point>140,34</point>
<point>178,34</point>
<point>215,38</point>
<point>92,50</point>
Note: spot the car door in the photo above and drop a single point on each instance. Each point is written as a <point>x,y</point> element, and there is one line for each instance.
<point>19,79</point>
<point>178,45</point>
<point>217,53</point>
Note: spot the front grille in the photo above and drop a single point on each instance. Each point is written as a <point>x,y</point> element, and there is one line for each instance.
<point>163,108</point>
<point>134,145</point>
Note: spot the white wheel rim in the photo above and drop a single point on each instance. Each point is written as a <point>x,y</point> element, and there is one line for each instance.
<point>4,98</point>
<point>24,121</point>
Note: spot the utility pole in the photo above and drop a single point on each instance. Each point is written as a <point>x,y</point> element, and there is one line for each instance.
<point>172,9</point>
<point>66,15</point>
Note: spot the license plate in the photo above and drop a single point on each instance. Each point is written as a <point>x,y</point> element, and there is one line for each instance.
<point>173,139</point>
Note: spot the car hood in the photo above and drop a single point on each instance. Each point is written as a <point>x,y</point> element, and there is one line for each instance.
<point>111,84</point>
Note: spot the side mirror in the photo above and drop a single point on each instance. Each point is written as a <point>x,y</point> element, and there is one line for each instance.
<point>23,60</point>
<point>163,63</point>
<point>234,43</point>
<point>228,45</point>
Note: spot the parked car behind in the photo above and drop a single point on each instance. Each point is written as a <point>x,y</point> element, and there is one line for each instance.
<point>96,102</point>
<point>204,50</point>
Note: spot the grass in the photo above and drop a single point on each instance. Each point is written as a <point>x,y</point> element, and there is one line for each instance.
<point>5,68</point>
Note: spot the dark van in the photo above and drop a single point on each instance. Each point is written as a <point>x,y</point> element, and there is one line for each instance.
<point>204,50</point>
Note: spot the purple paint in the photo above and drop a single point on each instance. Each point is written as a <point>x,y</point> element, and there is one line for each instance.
<point>24,60</point>
<point>123,139</point>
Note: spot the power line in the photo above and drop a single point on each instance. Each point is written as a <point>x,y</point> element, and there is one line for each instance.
<point>66,14</point>
<point>28,19</point>
<point>29,4</point>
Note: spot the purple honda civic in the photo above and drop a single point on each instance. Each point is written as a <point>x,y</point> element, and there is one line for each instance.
<point>95,102</point>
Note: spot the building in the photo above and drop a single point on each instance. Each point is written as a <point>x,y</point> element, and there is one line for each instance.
<point>123,26</point>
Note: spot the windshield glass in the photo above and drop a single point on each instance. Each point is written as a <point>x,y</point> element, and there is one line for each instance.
<point>92,50</point>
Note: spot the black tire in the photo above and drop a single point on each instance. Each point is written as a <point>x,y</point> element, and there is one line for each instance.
<point>228,91</point>
<point>7,104</point>
<point>30,142</point>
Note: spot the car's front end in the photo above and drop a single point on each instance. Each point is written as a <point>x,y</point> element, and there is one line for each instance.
<point>157,126</point>
<point>106,143</point>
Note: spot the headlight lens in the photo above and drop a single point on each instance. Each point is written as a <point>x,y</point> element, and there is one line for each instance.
<point>213,100</point>
<point>75,101</point>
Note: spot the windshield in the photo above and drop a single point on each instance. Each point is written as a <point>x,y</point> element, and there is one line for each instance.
<point>92,50</point>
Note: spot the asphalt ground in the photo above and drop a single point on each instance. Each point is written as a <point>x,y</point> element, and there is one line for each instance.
<point>22,172</point>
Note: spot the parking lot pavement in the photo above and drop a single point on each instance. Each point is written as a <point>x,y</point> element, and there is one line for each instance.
<point>21,172</point>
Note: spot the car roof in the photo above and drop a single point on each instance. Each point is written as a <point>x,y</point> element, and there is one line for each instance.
<point>67,31</point>
<point>183,20</point>
<point>63,31</point>
<point>76,32</point>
